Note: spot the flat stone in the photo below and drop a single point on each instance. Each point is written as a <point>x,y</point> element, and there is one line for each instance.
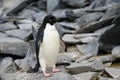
<point>36,76</point>
<point>86,76</point>
<point>85,67</point>
<point>3,35</point>
<point>69,38</point>
<point>90,48</point>
<point>13,46</point>
<point>7,26</point>
<point>7,65</point>
<point>116,52</point>
<point>105,78</point>
<point>52,5</point>
<point>20,33</point>
<point>114,72</point>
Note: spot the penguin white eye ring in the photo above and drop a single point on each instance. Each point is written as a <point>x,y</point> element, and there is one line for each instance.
<point>47,45</point>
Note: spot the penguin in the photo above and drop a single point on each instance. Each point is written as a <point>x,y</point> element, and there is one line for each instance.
<point>47,45</point>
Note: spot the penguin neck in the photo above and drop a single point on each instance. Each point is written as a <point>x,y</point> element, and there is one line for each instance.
<point>50,27</point>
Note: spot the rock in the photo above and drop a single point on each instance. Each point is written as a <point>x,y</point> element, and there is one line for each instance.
<point>86,76</point>
<point>116,52</point>
<point>104,78</point>
<point>52,5</point>
<point>36,76</point>
<point>13,46</point>
<point>27,13</point>
<point>3,34</point>
<point>110,38</point>
<point>114,10</point>
<point>90,48</point>
<point>76,3</point>
<point>20,33</point>
<point>95,25</point>
<point>69,38</point>
<point>85,57</point>
<point>114,72</point>
<point>7,65</point>
<point>85,67</point>
<point>41,4</point>
<point>7,26</point>
<point>40,16</point>
<point>27,24</point>
<point>88,17</point>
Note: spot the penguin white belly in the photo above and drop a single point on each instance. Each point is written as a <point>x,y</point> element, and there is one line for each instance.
<point>49,48</point>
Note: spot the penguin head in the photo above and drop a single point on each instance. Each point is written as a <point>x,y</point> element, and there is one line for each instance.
<point>50,19</point>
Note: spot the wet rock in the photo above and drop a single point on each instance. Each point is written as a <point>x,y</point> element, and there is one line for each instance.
<point>7,65</point>
<point>85,67</point>
<point>7,26</point>
<point>86,76</point>
<point>36,76</point>
<point>116,52</point>
<point>114,72</point>
<point>13,46</point>
<point>90,48</point>
<point>105,78</point>
<point>19,33</point>
<point>52,5</point>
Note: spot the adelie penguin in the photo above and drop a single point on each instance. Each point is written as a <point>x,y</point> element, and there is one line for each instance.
<point>47,45</point>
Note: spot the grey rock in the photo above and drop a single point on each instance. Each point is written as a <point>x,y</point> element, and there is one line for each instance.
<point>92,26</point>
<point>7,65</point>
<point>20,33</point>
<point>52,5</point>
<point>88,17</point>
<point>10,7</point>
<point>86,76</point>
<point>85,67</point>
<point>7,26</point>
<point>116,52</point>
<point>13,46</point>
<point>36,76</point>
<point>85,57</point>
<point>27,13</point>
<point>76,3</point>
<point>88,39</point>
<point>114,10</point>
<point>114,72</point>
<point>69,38</point>
<point>105,78</point>
<point>90,48</point>
<point>40,16</point>
<point>27,24</point>
<point>3,35</point>
<point>41,4</point>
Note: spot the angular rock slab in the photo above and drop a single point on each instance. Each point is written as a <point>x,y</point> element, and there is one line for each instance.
<point>114,72</point>
<point>86,76</point>
<point>36,76</point>
<point>104,78</point>
<point>7,26</point>
<point>116,52</point>
<point>13,46</point>
<point>20,33</point>
<point>90,48</point>
<point>7,65</point>
<point>85,67</point>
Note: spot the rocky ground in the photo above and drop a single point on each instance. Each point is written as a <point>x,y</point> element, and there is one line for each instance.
<point>89,30</point>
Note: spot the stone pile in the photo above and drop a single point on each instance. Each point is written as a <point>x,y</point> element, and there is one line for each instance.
<point>86,27</point>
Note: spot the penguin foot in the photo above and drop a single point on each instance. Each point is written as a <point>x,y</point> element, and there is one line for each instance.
<point>33,70</point>
<point>54,69</point>
<point>46,74</point>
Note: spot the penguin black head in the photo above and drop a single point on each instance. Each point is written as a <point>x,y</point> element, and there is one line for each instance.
<point>50,19</point>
